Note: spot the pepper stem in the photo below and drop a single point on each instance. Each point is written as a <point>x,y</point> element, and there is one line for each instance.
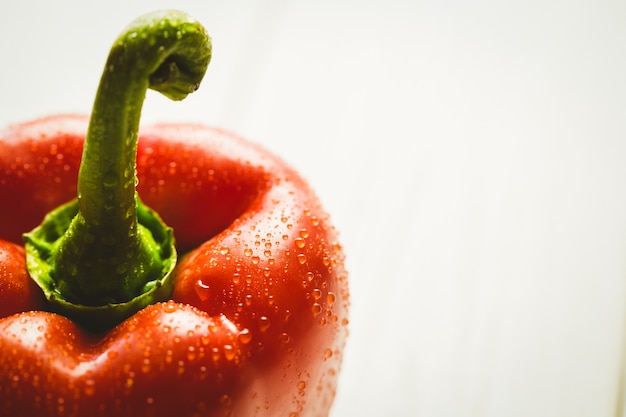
<point>104,256</point>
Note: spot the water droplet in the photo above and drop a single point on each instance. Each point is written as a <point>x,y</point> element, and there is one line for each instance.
<point>122,268</point>
<point>247,252</point>
<point>145,365</point>
<point>244,336</point>
<point>331,297</point>
<point>226,400</point>
<point>213,327</point>
<point>264,323</point>
<point>255,260</point>
<point>316,309</point>
<point>170,307</point>
<point>109,179</point>
<point>236,278</point>
<point>337,247</point>
<point>300,243</point>
<point>316,293</point>
<point>224,250</point>
<point>191,353</point>
<point>284,338</point>
<point>328,353</point>
<point>90,387</point>
<point>229,352</point>
<point>202,290</point>
<point>301,258</point>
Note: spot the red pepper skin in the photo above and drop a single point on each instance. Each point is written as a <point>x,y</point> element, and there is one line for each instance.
<point>258,318</point>
<point>38,169</point>
<point>17,291</point>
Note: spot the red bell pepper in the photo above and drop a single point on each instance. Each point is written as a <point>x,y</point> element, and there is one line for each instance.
<point>99,319</point>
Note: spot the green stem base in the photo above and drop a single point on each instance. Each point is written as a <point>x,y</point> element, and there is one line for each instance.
<point>42,247</point>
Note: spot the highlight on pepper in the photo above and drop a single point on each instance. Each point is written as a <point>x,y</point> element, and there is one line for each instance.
<point>174,270</point>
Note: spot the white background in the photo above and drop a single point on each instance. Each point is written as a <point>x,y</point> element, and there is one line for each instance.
<point>472,154</point>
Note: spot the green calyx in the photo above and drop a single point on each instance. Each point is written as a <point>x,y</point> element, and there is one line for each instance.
<point>104,256</point>
<point>55,242</point>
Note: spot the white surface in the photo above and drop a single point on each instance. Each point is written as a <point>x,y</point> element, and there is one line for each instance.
<point>471,153</point>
